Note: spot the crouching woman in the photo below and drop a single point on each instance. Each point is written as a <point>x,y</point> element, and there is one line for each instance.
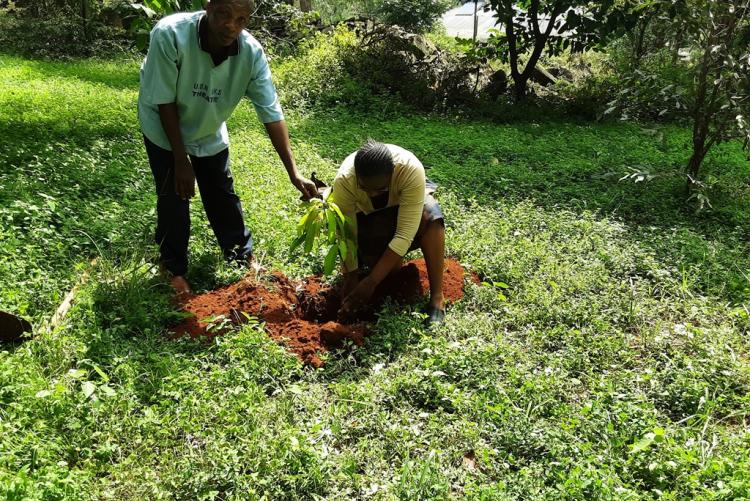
<point>383,188</point>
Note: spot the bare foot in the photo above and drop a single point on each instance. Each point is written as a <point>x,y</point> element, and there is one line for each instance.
<point>180,286</point>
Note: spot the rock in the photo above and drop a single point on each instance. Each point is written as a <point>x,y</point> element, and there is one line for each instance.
<point>542,76</point>
<point>561,73</point>
<point>498,84</point>
<point>12,328</point>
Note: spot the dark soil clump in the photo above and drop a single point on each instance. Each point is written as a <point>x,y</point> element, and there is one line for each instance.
<point>303,315</point>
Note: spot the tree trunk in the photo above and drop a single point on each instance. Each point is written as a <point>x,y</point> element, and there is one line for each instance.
<point>520,88</point>
<point>85,14</point>
<point>540,42</point>
<point>305,5</point>
<point>700,149</point>
<point>694,165</point>
<point>693,168</point>
<point>510,34</point>
<point>639,42</point>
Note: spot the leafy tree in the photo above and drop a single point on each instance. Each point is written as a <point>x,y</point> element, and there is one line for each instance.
<point>722,75</point>
<point>710,82</point>
<point>334,11</point>
<point>531,26</point>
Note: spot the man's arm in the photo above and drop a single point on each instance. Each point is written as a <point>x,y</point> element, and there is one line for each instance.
<point>184,177</point>
<point>279,135</point>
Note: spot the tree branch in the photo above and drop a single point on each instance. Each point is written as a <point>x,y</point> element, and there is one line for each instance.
<point>509,14</point>
<point>534,15</point>
<point>540,42</point>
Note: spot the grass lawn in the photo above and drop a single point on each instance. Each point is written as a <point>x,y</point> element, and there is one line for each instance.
<point>604,356</point>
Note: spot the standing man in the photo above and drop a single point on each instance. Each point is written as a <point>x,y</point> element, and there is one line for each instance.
<point>198,67</point>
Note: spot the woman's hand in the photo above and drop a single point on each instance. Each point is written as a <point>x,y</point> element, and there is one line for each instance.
<point>356,300</point>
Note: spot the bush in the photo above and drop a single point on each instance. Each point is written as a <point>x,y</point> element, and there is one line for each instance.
<point>386,64</point>
<point>317,74</point>
<point>281,27</point>
<point>60,36</point>
<point>591,83</point>
<point>416,16</point>
<point>653,88</point>
<point>586,83</point>
<point>390,61</point>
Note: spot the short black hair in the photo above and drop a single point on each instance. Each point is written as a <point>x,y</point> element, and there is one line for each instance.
<point>249,3</point>
<point>373,159</point>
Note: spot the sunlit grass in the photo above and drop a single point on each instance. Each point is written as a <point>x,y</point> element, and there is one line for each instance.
<point>604,356</point>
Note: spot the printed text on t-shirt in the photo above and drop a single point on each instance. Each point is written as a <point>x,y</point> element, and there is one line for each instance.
<point>201,90</point>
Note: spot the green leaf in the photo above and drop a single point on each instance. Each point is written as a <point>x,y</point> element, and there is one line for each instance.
<point>309,214</point>
<point>643,444</point>
<point>101,373</point>
<point>337,210</point>
<point>343,251</point>
<point>88,388</point>
<point>331,217</point>
<point>330,261</point>
<point>351,245</point>
<point>76,373</point>
<point>314,217</point>
<point>341,227</point>
<point>297,242</point>
<point>107,390</point>
<point>310,234</point>
<point>349,228</point>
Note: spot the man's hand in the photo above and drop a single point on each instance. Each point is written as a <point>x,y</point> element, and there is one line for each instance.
<point>184,178</point>
<point>356,300</point>
<point>279,135</point>
<point>306,187</point>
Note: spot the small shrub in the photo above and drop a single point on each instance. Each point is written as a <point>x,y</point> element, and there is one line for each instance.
<point>325,225</point>
<point>316,75</point>
<point>390,61</point>
<point>417,16</point>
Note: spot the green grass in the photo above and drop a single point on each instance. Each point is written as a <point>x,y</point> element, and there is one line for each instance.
<point>605,356</point>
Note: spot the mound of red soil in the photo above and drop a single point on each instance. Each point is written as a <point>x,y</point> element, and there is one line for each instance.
<point>303,315</point>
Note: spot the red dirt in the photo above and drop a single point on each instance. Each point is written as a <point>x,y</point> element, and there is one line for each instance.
<point>302,315</point>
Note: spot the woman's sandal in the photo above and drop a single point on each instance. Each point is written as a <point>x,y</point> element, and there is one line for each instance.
<point>435,316</point>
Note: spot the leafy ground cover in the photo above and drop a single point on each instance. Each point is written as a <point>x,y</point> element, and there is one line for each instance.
<point>605,355</point>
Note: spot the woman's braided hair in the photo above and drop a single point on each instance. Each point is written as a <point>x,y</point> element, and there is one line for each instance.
<point>373,159</point>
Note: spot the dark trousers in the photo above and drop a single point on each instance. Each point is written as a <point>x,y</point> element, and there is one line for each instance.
<point>222,205</point>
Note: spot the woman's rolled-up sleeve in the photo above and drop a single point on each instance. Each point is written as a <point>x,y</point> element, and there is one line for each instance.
<point>411,206</point>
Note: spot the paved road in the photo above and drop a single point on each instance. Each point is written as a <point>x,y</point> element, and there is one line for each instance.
<point>459,22</point>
